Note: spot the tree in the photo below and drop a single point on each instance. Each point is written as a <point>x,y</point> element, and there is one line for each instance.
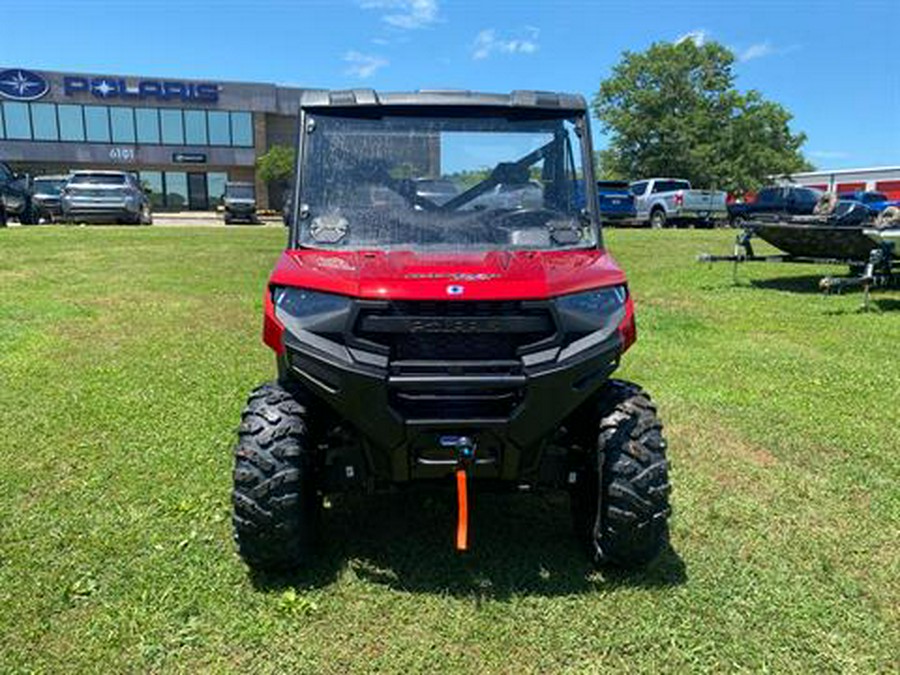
<point>277,164</point>
<point>673,110</point>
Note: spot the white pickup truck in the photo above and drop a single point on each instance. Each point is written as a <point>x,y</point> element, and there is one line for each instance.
<point>672,201</point>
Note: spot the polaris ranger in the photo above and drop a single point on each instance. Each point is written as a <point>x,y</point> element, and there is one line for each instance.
<point>239,202</point>
<point>451,340</point>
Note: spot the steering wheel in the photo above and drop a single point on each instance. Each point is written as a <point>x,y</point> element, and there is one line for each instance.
<point>526,217</point>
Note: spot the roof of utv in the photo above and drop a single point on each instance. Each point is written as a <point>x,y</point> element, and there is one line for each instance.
<point>535,100</point>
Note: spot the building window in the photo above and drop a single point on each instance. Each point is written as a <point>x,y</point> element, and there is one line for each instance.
<point>172,127</point>
<point>71,123</point>
<point>176,190</point>
<point>219,128</point>
<point>152,182</point>
<point>43,122</point>
<point>147,125</point>
<point>96,122</point>
<point>17,121</point>
<point>242,129</point>
<point>122,124</point>
<point>215,187</point>
<point>195,127</point>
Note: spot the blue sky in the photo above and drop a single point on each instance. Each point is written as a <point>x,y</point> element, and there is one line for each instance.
<point>835,65</point>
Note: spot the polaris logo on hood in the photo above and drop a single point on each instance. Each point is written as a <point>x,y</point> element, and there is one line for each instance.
<point>161,90</point>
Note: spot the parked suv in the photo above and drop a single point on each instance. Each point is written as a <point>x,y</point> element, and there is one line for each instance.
<point>46,196</point>
<point>15,197</point>
<point>105,196</point>
<point>777,199</point>
<point>421,341</point>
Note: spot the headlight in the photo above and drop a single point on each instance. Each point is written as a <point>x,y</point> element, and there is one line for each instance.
<point>300,309</point>
<point>591,311</point>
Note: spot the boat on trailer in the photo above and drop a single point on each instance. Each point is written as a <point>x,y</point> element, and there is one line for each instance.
<point>870,251</point>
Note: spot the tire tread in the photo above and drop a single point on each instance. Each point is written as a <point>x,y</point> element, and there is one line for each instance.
<point>633,527</point>
<point>274,498</point>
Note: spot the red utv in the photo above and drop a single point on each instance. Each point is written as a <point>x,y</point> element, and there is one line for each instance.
<point>446,313</point>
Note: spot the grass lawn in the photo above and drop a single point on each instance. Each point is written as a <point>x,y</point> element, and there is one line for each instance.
<point>127,354</point>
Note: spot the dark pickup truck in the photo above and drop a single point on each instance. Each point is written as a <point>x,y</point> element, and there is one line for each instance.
<point>15,197</point>
<point>786,199</point>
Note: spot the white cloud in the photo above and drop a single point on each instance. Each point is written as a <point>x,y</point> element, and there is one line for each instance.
<point>828,154</point>
<point>405,14</point>
<point>488,42</point>
<point>757,51</point>
<point>698,36</point>
<point>363,65</point>
<point>762,49</point>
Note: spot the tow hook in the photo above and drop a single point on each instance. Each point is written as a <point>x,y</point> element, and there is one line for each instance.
<point>465,460</point>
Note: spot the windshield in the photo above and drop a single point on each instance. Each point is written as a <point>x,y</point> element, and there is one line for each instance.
<point>48,186</point>
<point>239,192</point>
<point>97,179</point>
<point>873,197</point>
<point>404,181</point>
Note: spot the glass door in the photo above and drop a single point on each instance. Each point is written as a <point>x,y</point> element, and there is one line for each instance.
<point>198,197</point>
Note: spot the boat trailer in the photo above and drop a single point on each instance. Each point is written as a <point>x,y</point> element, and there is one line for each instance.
<point>881,269</point>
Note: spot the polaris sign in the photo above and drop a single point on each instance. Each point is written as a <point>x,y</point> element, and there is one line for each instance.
<point>160,90</point>
<point>18,84</point>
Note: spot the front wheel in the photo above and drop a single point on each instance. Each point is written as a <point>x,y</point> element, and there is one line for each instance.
<point>275,497</point>
<point>658,219</point>
<point>620,501</point>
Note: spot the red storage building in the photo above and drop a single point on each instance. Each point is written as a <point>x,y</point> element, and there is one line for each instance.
<point>884,179</point>
<point>889,187</point>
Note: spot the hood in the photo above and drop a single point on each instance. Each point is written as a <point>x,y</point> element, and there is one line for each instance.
<point>416,275</point>
<point>93,187</point>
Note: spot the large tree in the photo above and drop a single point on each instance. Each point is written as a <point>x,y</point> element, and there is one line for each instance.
<point>673,110</point>
<point>277,164</point>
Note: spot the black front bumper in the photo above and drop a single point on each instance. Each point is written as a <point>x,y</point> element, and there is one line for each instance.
<point>409,412</point>
<point>240,211</point>
<point>51,207</point>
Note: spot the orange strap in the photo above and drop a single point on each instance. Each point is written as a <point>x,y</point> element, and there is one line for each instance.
<point>462,524</point>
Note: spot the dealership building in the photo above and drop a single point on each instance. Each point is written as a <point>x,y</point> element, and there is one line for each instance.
<point>184,138</point>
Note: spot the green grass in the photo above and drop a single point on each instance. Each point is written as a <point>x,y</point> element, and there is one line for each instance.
<point>126,356</point>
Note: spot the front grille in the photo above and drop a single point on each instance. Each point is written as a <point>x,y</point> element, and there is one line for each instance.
<point>455,330</point>
<point>455,360</point>
<point>452,347</point>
